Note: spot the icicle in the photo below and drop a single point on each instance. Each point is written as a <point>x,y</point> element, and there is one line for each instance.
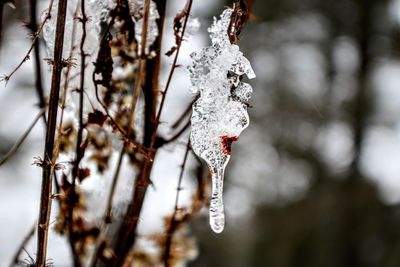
<point>220,114</point>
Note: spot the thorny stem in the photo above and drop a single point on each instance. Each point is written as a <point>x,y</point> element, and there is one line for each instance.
<point>136,91</point>
<point>172,71</point>
<point>38,82</point>
<point>66,76</point>
<point>126,234</point>
<point>45,199</point>
<point>174,222</point>
<point>34,40</point>
<point>18,144</point>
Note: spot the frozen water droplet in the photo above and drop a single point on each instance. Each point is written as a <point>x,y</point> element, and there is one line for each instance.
<point>220,113</point>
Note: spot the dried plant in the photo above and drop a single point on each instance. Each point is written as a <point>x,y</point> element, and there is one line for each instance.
<point>109,109</point>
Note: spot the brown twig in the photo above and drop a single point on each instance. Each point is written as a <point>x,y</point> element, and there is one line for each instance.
<point>184,114</point>
<point>18,144</point>
<point>127,233</point>
<point>188,8</point>
<point>45,199</point>
<point>78,150</point>
<point>6,78</point>
<point>23,244</point>
<point>174,222</point>
<point>38,69</point>
<point>107,217</point>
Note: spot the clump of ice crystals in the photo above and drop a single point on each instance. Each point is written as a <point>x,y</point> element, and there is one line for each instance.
<point>220,114</point>
<point>137,9</point>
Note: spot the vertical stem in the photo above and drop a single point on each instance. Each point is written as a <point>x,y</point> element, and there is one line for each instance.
<point>78,150</point>
<point>174,223</point>
<point>126,235</point>
<point>45,199</point>
<point>172,71</point>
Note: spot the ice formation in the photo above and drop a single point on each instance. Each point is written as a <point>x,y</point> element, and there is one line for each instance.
<point>136,8</point>
<point>95,10</point>
<point>220,114</point>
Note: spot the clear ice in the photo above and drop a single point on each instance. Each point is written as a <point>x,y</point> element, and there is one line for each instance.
<point>220,113</point>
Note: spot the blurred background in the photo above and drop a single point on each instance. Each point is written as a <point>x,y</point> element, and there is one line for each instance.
<point>315,179</point>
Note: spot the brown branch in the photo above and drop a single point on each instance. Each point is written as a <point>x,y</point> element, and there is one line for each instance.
<point>38,69</point>
<point>161,141</point>
<point>107,217</point>
<point>78,150</point>
<point>184,114</point>
<point>45,199</point>
<point>126,234</point>
<point>188,8</point>
<point>22,246</point>
<point>6,78</point>
<point>18,144</point>
<point>174,222</point>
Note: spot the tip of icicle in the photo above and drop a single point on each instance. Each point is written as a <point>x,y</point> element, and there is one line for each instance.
<point>217,228</point>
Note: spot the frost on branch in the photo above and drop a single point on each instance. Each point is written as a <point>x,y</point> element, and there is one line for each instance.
<point>220,114</point>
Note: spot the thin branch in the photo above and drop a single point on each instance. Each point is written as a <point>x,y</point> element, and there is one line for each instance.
<point>107,217</point>
<point>38,69</point>
<point>21,140</point>
<point>140,72</point>
<point>126,234</point>
<point>23,244</point>
<point>188,8</point>
<point>147,153</point>
<point>45,199</point>
<point>174,222</point>
<point>184,114</point>
<point>161,141</point>
<point>78,151</point>
<point>36,35</point>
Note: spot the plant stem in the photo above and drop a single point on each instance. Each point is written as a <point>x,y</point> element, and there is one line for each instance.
<point>78,150</point>
<point>126,234</point>
<point>174,222</point>
<point>48,168</point>
<point>172,71</point>
<point>34,40</point>
<point>107,218</point>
